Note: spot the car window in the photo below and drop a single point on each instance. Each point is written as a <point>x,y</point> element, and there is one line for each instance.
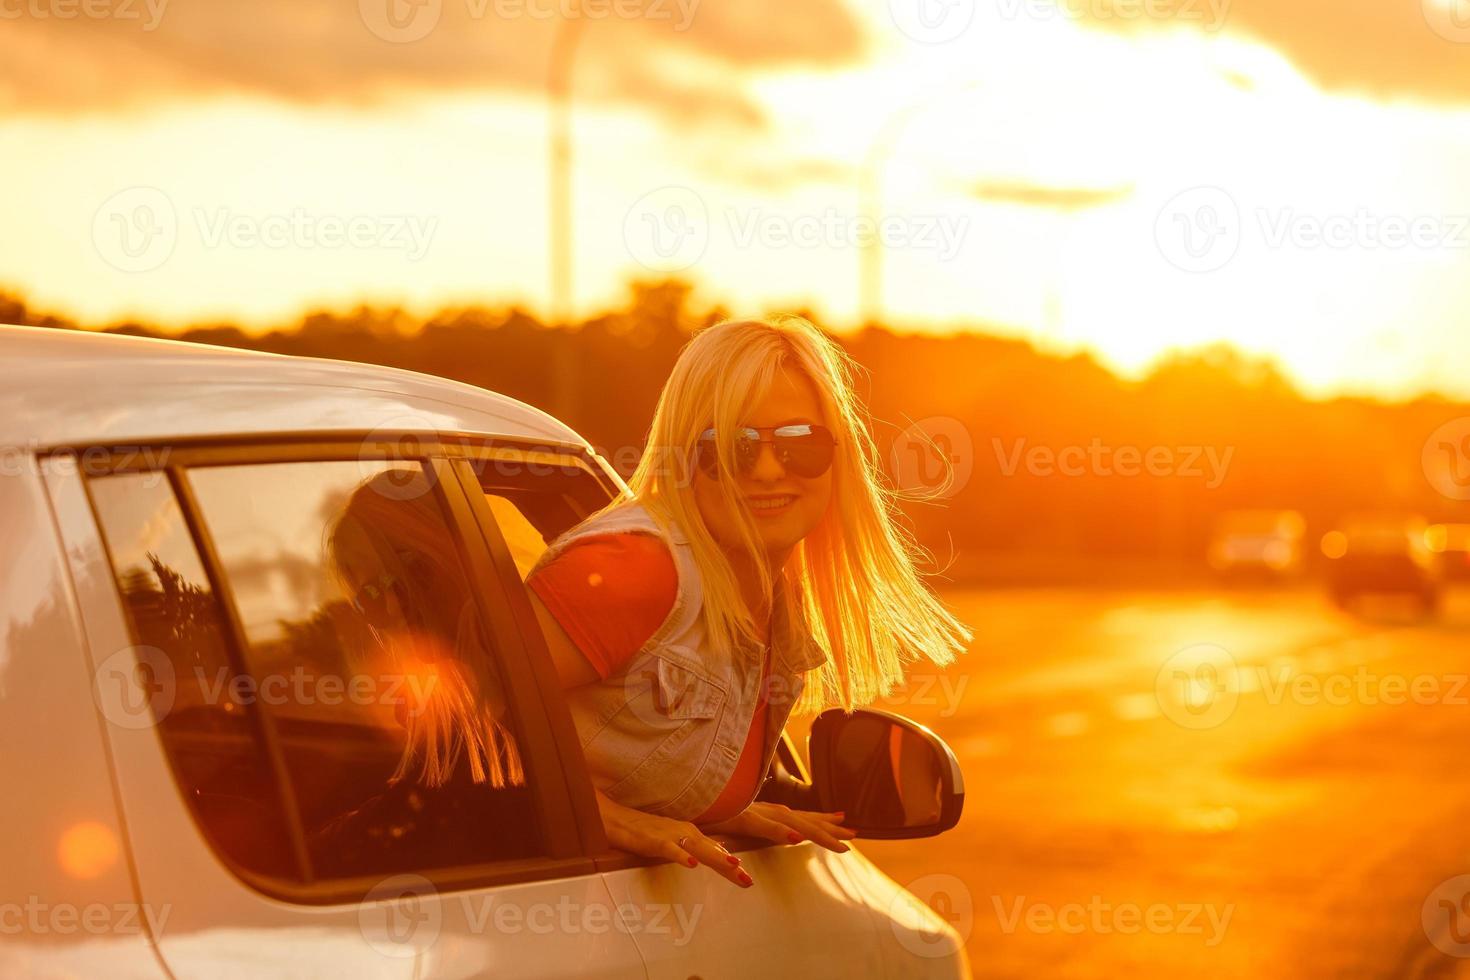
<point>214,745</point>
<point>368,659</point>
<point>521,536</point>
<point>534,502</point>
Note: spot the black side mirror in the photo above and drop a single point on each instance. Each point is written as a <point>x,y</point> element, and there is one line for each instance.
<point>893,778</point>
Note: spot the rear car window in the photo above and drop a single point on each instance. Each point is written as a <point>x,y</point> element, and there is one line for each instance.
<point>214,745</point>
<point>353,705</point>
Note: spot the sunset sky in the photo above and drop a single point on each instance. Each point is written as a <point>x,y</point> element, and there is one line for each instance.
<point>1122,176</point>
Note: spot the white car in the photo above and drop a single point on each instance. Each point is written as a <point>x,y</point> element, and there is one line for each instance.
<point>197,761</point>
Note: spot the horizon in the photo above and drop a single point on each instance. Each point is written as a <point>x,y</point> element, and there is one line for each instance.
<point>419,322</point>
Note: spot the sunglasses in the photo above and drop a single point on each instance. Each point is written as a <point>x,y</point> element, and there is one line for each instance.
<point>372,599</point>
<point>803,449</point>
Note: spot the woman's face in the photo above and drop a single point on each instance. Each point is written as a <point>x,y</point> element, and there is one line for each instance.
<point>792,399</point>
<point>367,584</point>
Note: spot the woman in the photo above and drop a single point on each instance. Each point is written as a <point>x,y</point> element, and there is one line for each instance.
<point>756,567</point>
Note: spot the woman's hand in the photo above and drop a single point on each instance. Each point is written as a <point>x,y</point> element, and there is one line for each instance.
<point>674,840</point>
<point>783,825</point>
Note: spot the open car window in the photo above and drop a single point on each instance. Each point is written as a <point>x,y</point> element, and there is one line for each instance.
<point>535,501</point>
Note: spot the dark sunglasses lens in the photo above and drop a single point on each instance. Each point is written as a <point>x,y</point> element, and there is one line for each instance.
<point>707,454</point>
<point>707,457</point>
<point>747,449</point>
<point>806,455</point>
<point>368,600</point>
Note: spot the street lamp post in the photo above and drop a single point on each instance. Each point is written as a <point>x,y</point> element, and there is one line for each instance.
<point>564,381</point>
<point>559,93</point>
<point>870,193</point>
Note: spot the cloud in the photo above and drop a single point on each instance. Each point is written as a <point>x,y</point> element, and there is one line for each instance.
<point>771,176</point>
<point>1069,199</point>
<point>1385,49</point>
<point>681,58</point>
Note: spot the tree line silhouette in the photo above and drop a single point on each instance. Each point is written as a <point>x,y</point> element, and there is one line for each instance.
<point>1062,467</point>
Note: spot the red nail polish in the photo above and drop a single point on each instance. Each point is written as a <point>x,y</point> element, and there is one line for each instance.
<point>732,859</point>
<point>746,879</point>
<point>794,837</point>
<point>693,863</point>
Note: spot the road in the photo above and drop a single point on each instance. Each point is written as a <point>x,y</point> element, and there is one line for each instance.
<point>1201,784</point>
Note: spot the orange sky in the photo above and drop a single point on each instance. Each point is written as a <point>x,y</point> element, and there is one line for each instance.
<point>1123,176</point>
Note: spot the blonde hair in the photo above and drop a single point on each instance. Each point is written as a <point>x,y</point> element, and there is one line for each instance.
<point>393,520</point>
<point>855,576</point>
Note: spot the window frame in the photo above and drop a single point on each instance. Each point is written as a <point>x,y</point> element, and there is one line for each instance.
<point>578,776</point>
<point>561,821</point>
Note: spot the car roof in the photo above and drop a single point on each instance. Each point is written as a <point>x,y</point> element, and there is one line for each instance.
<point>68,387</point>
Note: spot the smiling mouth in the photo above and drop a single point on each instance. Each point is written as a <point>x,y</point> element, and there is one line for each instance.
<point>772,502</point>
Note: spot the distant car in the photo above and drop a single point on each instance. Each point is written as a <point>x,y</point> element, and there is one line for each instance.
<point>199,769</point>
<point>1382,554</point>
<point>1258,544</point>
<point>1450,544</point>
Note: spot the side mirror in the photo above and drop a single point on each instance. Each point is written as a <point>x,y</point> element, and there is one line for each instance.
<point>891,777</point>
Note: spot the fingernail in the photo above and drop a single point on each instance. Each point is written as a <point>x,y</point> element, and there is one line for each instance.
<point>794,837</point>
<point>692,863</point>
<point>746,880</point>
<point>733,859</point>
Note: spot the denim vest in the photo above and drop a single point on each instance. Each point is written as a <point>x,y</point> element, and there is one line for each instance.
<point>664,733</point>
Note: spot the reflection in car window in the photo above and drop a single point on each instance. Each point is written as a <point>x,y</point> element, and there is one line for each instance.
<point>213,743</point>
<point>366,650</point>
<point>390,709</point>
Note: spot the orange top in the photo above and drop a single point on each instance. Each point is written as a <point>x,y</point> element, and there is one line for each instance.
<point>610,592</point>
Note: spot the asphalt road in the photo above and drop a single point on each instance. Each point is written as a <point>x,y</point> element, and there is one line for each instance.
<point>1201,784</point>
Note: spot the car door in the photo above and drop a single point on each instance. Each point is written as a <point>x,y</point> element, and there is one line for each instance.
<point>812,912</point>
<point>274,709</point>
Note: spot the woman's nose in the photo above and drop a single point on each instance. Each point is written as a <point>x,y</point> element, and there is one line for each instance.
<point>767,465</point>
